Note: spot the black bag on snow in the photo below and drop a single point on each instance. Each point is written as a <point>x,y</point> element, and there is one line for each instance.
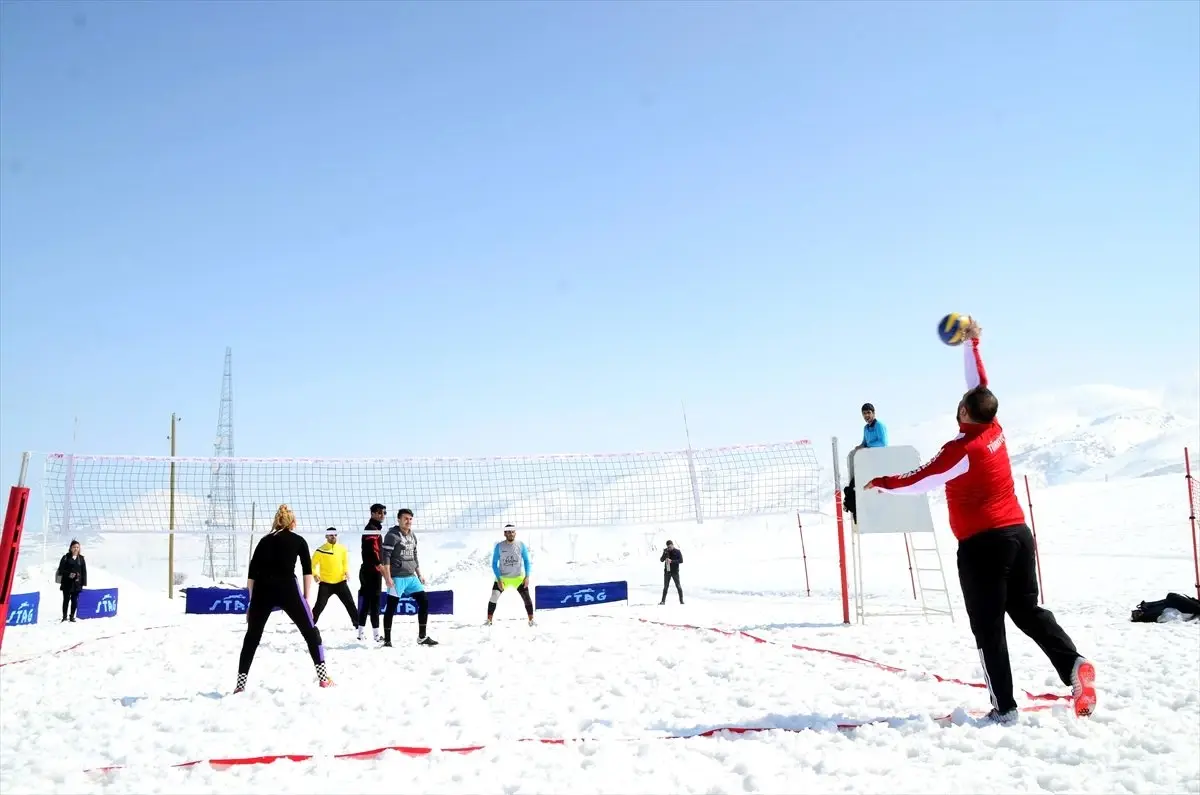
<point>1150,611</point>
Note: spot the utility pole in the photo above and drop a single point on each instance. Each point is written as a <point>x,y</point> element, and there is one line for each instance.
<point>691,462</point>
<point>171,516</point>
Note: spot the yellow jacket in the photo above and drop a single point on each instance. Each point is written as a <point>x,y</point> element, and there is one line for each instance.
<point>331,562</point>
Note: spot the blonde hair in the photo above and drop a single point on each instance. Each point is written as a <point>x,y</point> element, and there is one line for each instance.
<point>284,519</point>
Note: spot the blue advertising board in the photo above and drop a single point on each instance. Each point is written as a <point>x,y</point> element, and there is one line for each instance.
<point>23,609</point>
<point>235,601</point>
<point>553,597</point>
<point>216,601</point>
<point>441,603</point>
<point>97,603</point>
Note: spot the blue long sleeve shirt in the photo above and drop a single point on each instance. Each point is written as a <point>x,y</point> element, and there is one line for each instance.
<point>875,434</point>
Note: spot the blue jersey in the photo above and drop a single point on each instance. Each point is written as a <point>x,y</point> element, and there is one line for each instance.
<point>875,434</point>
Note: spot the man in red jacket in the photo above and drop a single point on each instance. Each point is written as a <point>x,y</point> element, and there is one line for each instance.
<point>996,565</point>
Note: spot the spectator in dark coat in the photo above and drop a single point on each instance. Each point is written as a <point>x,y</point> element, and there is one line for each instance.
<point>671,559</point>
<point>72,578</point>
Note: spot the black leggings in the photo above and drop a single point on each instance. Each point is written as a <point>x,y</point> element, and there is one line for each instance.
<point>422,600</point>
<point>522,589</point>
<point>342,591</point>
<point>287,597</point>
<point>70,600</point>
<point>370,590</point>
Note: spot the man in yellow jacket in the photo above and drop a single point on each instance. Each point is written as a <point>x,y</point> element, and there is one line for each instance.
<point>330,567</point>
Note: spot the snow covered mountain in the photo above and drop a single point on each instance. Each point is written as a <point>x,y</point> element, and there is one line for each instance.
<point>1089,433</point>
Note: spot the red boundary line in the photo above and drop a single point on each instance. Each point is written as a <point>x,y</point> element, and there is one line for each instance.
<point>415,750</point>
<point>852,658</point>
<point>55,652</point>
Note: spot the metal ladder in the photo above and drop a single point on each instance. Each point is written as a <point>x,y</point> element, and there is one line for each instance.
<point>930,576</point>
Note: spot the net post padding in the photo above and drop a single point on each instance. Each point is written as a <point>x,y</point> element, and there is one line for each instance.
<point>880,513</point>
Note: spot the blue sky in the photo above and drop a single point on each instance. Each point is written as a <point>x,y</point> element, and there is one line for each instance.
<point>503,228</point>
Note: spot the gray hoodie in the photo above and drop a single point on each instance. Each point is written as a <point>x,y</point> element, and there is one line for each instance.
<point>400,552</point>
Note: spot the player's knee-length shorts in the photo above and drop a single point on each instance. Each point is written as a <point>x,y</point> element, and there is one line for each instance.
<point>405,586</point>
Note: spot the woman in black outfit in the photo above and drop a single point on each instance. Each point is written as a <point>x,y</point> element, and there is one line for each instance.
<point>272,583</point>
<point>72,578</point>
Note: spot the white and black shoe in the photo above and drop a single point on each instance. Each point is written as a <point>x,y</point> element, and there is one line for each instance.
<point>426,641</point>
<point>1002,718</point>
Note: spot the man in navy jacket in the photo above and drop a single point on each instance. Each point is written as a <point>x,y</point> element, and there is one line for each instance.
<point>671,559</point>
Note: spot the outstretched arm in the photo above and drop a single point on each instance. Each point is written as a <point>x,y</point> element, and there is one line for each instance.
<point>972,360</point>
<point>949,463</point>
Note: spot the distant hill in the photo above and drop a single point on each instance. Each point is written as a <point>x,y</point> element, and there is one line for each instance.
<point>1088,433</point>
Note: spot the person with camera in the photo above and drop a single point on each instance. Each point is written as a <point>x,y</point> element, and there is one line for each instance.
<point>671,559</point>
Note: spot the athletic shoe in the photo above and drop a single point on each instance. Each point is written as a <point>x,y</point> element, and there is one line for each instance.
<point>1083,687</point>
<point>426,641</point>
<point>1001,718</point>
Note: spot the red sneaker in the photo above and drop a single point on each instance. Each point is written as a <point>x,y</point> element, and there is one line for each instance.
<point>1083,688</point>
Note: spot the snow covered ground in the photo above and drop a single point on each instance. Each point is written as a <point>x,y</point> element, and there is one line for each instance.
<point>151,687</point>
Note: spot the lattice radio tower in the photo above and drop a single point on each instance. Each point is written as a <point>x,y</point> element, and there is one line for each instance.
<point>220,544</point>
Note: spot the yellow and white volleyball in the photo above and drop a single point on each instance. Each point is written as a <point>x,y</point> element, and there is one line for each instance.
<point>952,329</point>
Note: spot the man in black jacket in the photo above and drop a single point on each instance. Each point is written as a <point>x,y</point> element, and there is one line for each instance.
<point>370,573</point>
<point>671,559</point>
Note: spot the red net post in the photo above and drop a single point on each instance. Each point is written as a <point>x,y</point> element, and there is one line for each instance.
<point>841,533</point>
<point>1192,494</point>
<point>803,555</point>
<point>1037,555</point>
<point>10,541</point>
<point>911,577</point>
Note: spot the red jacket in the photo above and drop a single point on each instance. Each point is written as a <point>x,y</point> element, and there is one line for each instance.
<point>974,468</point>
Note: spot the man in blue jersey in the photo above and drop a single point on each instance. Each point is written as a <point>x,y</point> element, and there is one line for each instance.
<point>874,435</point>
<point>874,432</point>
<point>510,565</point>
